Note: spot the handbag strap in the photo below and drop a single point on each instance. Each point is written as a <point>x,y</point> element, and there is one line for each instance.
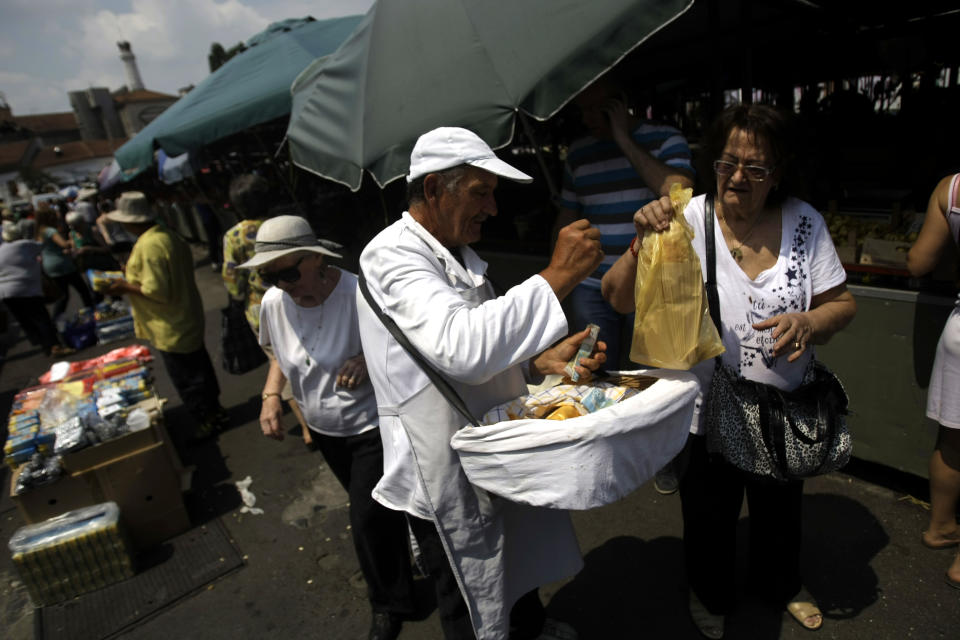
<point>713,299</point>
<point>437,378</point>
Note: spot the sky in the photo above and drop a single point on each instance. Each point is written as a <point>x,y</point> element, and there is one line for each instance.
<point>50,47</point>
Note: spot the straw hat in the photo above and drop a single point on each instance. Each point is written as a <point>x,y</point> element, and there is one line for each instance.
<point>283,235</point>
<point>132,207</point>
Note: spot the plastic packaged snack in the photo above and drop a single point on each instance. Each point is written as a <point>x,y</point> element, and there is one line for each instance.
<point>72,553</point>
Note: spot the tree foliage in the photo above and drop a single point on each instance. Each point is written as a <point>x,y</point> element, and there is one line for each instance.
<point>219,56</point>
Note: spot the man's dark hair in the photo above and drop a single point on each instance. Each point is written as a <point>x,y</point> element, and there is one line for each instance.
<point>451,178</point>
<point>250,196</point>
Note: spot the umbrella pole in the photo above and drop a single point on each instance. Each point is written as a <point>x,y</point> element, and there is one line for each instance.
<point>528,131</point>
<point>273,164</point>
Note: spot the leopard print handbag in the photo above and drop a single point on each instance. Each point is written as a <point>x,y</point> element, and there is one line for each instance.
<point>783,435</point>
<point>765,431</point>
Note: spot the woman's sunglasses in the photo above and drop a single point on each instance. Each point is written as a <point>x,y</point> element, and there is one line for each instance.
<point>290,274</point>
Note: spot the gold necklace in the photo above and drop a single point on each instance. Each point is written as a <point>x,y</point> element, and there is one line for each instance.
<point>737,252</point>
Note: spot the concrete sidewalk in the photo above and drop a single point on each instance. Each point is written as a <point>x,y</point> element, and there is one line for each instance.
<point>863,559</point>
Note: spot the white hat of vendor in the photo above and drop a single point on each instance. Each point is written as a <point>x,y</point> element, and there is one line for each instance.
<point>132,207</point>
<point>448,147</point>
<point>284,235</point>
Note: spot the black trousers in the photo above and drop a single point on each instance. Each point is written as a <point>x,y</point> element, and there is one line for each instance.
<point>33,317</point>
<point>379,534</point>
<point>711,494</point>
<point>195,380</point>
<point>526,617</point>
<point>76,281</point>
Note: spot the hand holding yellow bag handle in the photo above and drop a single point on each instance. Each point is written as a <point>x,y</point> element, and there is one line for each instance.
<point>672,327</point>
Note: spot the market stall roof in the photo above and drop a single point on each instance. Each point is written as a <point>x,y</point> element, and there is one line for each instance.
<point>251,88</point>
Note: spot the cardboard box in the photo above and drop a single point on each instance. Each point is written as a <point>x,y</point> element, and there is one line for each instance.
<point>66,494</point>
<point>90,457</point>
<point>143,483</point>
<point>147,488</point>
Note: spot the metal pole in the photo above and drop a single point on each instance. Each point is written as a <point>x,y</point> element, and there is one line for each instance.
<point>528,131</point>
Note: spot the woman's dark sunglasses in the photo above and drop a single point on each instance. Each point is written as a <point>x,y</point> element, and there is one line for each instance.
<point>290,274</point>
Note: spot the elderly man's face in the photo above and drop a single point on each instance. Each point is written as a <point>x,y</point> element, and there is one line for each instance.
<point>463,211</point>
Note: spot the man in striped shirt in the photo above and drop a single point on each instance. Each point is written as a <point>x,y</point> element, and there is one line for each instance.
<point>621,165</point>
<point>624,163</point>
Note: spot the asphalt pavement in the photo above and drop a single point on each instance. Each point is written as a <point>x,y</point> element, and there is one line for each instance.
<point>862,556</point>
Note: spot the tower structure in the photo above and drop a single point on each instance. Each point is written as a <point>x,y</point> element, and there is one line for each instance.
<point>134,82</point>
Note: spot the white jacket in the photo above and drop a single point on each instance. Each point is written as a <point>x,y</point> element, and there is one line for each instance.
<point>499,549</point>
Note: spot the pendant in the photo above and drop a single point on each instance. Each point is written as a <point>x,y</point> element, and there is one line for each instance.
<point>737,254</point>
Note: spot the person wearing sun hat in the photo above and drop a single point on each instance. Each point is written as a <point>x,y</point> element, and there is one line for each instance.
<point>308,317</point>
<point>167,309</point>
<point>487,557</point>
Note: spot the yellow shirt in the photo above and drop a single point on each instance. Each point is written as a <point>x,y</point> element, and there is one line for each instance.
<point>169,313</point>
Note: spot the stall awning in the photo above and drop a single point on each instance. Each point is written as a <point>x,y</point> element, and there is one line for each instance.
<point>251,88</point>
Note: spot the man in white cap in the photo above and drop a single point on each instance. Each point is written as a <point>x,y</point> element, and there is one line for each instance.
<point>484,555</point>
<point>308,317</point>
<point>167,310</point>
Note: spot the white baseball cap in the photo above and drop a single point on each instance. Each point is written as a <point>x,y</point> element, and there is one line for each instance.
<point>448,147</point>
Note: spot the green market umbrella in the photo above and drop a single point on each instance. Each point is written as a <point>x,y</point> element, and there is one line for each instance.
<point>251,88</point>
<point>414,65</point>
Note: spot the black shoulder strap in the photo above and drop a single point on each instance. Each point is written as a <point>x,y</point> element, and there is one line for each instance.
<point>435,376</point>
<point>712,297</point>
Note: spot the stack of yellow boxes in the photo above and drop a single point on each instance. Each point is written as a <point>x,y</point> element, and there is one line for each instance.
<point>71,554</point>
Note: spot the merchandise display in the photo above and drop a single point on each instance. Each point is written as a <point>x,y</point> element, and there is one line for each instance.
<point>85,406</point>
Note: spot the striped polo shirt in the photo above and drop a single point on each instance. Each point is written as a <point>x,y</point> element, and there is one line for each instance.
<point>601,185</point>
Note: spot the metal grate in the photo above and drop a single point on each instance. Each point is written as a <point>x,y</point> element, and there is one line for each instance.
<point>169,573</point>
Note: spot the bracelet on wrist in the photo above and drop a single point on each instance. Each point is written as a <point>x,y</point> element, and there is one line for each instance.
<point>633,247</point>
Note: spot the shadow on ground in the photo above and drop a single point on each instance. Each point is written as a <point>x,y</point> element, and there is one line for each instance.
<point>635,588</point>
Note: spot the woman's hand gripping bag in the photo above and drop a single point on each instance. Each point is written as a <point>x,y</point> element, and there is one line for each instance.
<point>591,459</point>
<point>672,328</point>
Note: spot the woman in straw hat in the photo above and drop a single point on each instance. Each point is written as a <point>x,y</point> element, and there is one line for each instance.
<point>309,317</point>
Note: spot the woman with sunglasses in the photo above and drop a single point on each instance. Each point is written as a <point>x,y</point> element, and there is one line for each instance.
<point>782,290</point>
<point>309,318</point>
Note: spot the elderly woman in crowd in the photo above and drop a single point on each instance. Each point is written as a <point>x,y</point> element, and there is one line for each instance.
<point>781,289</point>
<point>941,228</point>
<point>309,317</point>
<point>20,289</point>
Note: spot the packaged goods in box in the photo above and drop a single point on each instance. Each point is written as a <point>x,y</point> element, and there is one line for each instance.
<point>73,553</point>
<point>581,458</point>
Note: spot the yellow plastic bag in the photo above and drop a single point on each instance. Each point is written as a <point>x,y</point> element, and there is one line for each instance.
<point>672,328</point>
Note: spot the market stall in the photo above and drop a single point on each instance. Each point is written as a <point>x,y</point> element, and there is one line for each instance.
<point>93,432</point>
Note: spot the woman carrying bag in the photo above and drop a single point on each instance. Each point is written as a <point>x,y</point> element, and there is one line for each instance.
<point>781,290</point>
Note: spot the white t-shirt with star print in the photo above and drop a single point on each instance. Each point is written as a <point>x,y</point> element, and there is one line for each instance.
<point>808,265</point>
